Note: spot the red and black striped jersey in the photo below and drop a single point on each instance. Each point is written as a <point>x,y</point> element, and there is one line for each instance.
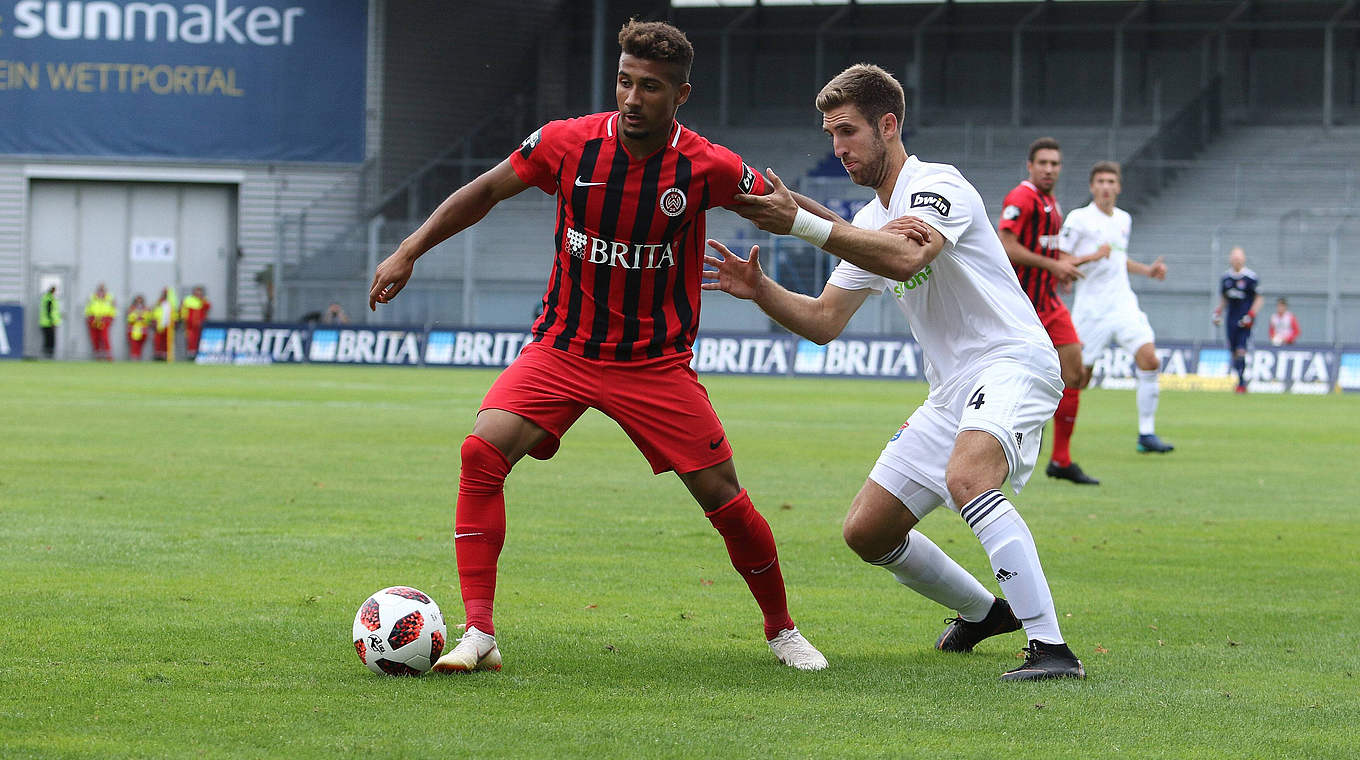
<point>1036,219</point>
<point>629,235</point>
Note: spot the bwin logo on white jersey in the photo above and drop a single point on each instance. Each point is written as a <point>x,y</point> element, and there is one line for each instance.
<point>931,200</point>
<point>619,254</point>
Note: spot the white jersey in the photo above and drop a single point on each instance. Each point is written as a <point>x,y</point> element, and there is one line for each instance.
<point>966,308</point>
<point>1105,286</point>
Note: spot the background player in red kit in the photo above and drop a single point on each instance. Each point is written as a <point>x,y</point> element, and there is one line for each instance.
<point>1030,222</point>
<point>618,320</point>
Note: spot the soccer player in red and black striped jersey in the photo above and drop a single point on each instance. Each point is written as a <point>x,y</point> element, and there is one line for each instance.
<point>1030,222</point>
<point>619,317</point>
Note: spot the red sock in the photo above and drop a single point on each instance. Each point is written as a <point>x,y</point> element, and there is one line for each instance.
<point>750,544</point>
<point>479,527</point>
<point>1063,421</point>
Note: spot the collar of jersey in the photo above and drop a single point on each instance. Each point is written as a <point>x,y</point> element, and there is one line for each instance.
<point>676,129</point>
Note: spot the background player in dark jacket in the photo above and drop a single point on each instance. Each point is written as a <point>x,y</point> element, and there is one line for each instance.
<point>1238,288</point>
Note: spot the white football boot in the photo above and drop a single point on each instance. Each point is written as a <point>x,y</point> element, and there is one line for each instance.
<point>475,651</point>
<point>795,651</point>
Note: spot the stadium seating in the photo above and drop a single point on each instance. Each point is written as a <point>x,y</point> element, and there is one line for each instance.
<point>1281,193</point>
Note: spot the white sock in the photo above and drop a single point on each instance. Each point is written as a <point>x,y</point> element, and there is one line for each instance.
<point>923,567</point>
<point>1015,560</point>
<point>1148,391</point>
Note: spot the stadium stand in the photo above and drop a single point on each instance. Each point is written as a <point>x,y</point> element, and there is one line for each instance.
<point>1184,113</point>
<point>1290,196</point>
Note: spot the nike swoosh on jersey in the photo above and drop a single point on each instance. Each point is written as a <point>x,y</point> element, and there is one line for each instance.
<point>579,183</point>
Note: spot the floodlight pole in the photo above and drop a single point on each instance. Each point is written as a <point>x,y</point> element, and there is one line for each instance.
<point>597,57</point>
<point>819,67</point>
<point>1017,62</point>
<point>1117,117</point>
<point>918,99</point>
<point>725,63</point>
<point>1329,62</point>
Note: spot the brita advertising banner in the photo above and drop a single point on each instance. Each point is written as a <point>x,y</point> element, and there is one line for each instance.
<point>210,80</point>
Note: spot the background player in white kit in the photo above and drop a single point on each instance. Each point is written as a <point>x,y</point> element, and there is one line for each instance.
<point>1105,308</point>
<point>993,372</point>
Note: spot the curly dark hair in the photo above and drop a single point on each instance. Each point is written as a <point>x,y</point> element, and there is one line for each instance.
<point>658,41</point>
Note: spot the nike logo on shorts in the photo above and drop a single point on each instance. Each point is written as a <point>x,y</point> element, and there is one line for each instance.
<point>713,445</point>
<point>579,183</point>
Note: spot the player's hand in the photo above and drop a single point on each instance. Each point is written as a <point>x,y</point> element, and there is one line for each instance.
<point>1103,252</point>
<point>389,278</point>
<point>731,274</point>
<point>1246,320</point>
<point>773,212</point>
<point>1217,317</point>
<point>1158,271</point>
<point>910,227</point>
<point>1064,269</point>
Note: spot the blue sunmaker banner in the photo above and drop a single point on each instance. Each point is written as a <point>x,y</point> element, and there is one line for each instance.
<point>1190,366</point>
<point>218,79</point>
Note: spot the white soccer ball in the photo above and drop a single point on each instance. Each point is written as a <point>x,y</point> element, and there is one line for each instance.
<point>399,631</point>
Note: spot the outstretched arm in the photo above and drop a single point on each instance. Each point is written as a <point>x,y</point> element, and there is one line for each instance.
<point>1156,270</point>
<point>818,319</point>
<point>887,254</point>
<point>464,208</point>
<point>1062,267</point>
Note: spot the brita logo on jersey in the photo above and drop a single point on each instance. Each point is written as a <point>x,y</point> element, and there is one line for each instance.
<point>615,253</point>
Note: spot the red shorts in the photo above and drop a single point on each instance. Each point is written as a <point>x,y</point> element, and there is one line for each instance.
<point>658,402</point>
<point>1057,320</point>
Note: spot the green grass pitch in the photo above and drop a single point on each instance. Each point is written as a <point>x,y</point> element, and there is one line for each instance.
<point>184,549</point>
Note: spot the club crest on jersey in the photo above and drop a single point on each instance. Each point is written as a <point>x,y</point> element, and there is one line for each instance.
<point>673,202</point>
<point>530,142</point>
<point>748,179</point>
<point>930,200</point>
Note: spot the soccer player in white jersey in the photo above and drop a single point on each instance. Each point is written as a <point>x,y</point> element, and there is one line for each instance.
<point>1106,308</point>
<point>993,372</point>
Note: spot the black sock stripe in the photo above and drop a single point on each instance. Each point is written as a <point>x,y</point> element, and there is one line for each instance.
<point>892,556</point>
<point>987,499</point>
<point>978,518</point>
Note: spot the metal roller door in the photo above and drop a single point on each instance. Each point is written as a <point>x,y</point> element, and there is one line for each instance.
<point>136,238</point>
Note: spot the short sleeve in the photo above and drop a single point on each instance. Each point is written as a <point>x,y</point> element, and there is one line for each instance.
<point>729,175</point>
<point>847,276</point>
<point>535,160</point>
<point>1015,211</point>
<point>942,203</point>
<point>1069,237</point>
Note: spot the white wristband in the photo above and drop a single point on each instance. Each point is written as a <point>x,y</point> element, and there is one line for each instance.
<point>811,227</point>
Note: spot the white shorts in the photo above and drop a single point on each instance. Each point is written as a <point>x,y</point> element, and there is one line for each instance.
<point>1128,328</point>
<point>1008,399</point>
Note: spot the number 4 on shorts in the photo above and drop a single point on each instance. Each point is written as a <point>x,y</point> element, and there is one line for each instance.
<point>976,400</point>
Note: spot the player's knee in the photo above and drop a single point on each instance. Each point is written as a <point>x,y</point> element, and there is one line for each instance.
<point>484,466</point>
<point>966,485</point>
<point>864,538</point>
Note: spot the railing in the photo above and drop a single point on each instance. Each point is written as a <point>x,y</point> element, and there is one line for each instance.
<point>1182,137</point>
